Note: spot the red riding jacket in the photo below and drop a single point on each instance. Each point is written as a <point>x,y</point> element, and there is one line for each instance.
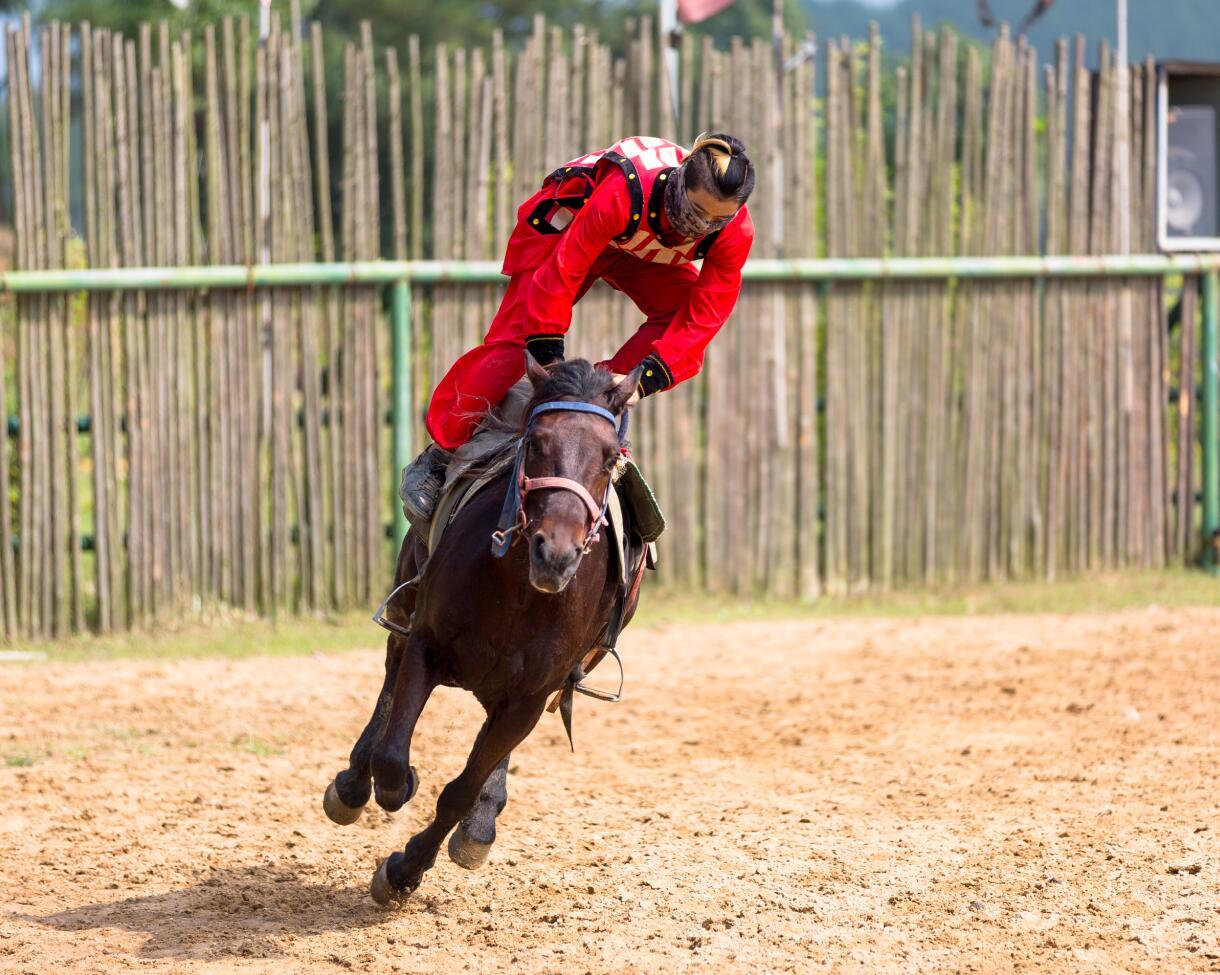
<point>613,201</point>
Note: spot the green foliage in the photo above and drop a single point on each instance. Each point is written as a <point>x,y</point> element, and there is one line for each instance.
<point>460,24</point>
<point>1171,28</point>
<point>748,18</point>
<point>455,24</point>
<point>128,15</point>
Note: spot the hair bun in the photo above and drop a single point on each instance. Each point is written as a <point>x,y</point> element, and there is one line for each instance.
<point>723,169</point>
<point>706,141</point>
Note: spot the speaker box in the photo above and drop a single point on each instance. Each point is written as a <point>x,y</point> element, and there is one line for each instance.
<point>1188,183</point>
<point>1190,188</point>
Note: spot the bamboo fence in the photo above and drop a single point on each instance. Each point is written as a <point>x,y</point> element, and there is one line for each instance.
<point>173,452</point>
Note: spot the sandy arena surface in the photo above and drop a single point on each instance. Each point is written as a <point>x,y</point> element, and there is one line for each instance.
<point>997,794</point>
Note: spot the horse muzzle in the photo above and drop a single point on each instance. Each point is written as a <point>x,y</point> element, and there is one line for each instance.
<point>553,563</point>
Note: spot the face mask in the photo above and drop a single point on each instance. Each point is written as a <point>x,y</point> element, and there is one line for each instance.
<point>681,212</point>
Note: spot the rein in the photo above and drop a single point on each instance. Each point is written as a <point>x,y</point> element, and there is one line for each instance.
<point>512,515</point>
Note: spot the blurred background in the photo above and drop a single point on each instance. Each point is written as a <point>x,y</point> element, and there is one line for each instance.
<point>181,452</point>
<point>1154,28</point>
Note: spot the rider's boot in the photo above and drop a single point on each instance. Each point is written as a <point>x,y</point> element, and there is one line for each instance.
<point>422,481</point>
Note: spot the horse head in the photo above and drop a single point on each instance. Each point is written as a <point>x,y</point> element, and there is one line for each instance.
<point>568,457</point>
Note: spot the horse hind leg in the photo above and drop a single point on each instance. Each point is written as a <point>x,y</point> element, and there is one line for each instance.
<point>504,730</point>
<point>470,843</point>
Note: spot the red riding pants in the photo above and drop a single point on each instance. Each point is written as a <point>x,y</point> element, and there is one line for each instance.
<point>481,377</point>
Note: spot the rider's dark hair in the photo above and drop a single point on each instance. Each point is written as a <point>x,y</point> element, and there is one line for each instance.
<point>718,163</point>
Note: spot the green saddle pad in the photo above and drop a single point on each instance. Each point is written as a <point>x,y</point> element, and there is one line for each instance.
<point>639,500</point>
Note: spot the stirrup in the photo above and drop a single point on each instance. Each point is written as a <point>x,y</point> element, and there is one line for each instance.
<point>573,684</point>
<point>598,694</point>
<point>381,619</point>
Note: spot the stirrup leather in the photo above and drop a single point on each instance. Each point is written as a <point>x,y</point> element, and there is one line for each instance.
<point>574,684</point>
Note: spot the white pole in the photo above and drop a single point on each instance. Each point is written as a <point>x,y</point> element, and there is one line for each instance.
<point>1122,32</point>
<point>1122,122</point>
<point>1124,102</point>
<point>264,216</point>
<point>264,136</point>
<point>667,17</point>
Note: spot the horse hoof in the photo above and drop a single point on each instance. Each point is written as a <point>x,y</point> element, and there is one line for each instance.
<point>465,852</point>
<point>392,802</point>
<point>336,810</point>
<point>382,891</point>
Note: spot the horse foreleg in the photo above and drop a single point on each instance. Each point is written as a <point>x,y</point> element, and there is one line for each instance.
<point>394,779</point>
<point>348,794</point>
<point>504,729</point>
<point>470,843</point>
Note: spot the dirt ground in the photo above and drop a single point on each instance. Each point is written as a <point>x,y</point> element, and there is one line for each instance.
<point>991,794</point>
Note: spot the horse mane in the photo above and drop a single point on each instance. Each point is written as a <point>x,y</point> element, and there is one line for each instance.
<point>494,445</point>
<point>574,379</point>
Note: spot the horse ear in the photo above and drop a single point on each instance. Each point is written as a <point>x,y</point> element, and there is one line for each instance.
<point>534,370</point>
<point>625,390</point>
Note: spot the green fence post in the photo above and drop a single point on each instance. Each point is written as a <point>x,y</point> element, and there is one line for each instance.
<point>400,316</point>
<point>1211,418</point>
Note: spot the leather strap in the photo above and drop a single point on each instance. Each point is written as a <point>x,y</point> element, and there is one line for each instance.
<point>564,484</point>
<point>512,513</point>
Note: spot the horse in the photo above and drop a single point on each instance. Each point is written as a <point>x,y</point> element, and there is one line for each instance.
<point>509,629</point>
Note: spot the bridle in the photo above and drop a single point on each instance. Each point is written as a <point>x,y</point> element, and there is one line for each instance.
<point>512,515</point>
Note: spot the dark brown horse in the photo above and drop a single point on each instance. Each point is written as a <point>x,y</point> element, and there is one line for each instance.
<point>509,630</point>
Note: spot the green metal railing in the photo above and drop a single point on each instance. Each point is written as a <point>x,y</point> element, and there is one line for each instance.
<point>488,272</point>
<point>400,275</point>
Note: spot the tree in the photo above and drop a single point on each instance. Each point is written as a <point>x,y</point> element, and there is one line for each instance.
<point>456,24</point>
<point>127,16</point>
<point>748,18</point>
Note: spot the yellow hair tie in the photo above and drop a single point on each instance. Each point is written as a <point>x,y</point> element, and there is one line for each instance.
<point>703,140</point>
<point>720,160</point>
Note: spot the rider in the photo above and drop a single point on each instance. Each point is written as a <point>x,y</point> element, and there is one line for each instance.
<point>635,215</point>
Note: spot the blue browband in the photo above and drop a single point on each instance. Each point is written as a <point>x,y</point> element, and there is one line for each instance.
<point>560,406</point>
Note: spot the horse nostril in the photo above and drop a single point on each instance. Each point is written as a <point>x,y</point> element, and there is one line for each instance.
<point>537,546</point>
